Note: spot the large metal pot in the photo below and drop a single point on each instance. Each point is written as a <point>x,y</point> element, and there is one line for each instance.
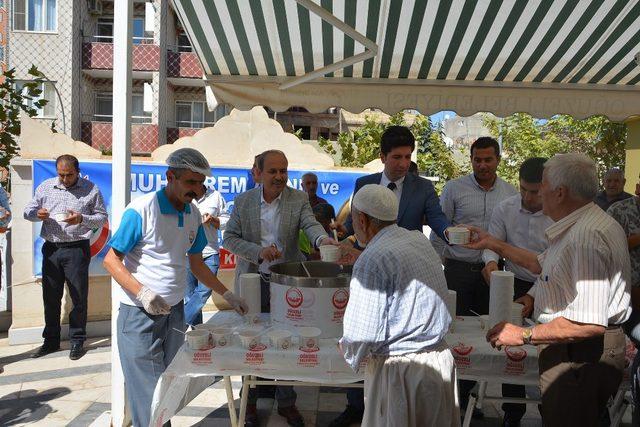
<point>316,296</point>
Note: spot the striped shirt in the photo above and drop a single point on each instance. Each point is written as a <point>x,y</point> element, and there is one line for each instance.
<point>585,271</point>
<point>517,226</point>
<point>83,197</point>
<point>464,201</point>
<point>627,213</point>
<point>396,302</point>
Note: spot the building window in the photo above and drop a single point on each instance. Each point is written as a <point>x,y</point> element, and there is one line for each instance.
<point>35,15</point>
<point>48,93</point>
<point>104,31</point>
<point>194,114</point>
<point>104,108</point>
<point>184,45</point>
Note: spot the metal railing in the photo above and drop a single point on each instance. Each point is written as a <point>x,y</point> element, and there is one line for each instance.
<point>189,124</point>
<point>108,118</point>
<point>109,39</point>
<point>180,48</point>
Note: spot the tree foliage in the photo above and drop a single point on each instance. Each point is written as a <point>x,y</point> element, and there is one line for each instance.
<point>27,98</point>
<point>523,137</point>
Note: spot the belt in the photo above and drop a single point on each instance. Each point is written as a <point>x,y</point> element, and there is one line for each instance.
<point>613,327</point>
<point>75,244</point>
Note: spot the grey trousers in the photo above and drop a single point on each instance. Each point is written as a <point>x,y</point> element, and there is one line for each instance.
<point>147,344</point>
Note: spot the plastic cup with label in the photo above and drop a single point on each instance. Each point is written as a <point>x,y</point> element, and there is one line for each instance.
<point>329,253</point>
<point>198,339</point>
<point>61,216</point>
<point>280,339</point>
<point>309,337</point>
<point>249,339</point>
<point>458,235</point>
<point>221,336</point>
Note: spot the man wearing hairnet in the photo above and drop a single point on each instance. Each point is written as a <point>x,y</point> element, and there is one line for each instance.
<point>397,319</point>
<point>147,258</point>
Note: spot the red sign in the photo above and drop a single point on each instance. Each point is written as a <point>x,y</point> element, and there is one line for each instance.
<point>294,297</point>
<point>227,260</point>
<point>340,298</point>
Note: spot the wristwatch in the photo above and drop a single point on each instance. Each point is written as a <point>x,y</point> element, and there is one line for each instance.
<point>527,334</point>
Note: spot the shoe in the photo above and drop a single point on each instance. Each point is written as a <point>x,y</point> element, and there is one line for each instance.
<point>76,351</point>
<point>292,416</point>
<point>477,414</point>
<point>510,422</point>
<point>46,349</point>
<point>251,416</point>
<point>349,416</point>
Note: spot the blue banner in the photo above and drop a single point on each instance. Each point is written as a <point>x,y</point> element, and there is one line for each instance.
<point>334,186</point>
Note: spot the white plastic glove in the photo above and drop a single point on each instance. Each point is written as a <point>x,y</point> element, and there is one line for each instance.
<point>236,302</point>
<point>152,302</point>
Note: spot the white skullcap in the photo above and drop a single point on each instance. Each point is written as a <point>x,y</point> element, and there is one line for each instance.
<point>188,158</point>
<point>376,201</point>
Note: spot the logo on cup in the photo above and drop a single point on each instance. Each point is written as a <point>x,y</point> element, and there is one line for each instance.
<point>463,350</point>
<point>222,342</point>
<point>340,299</point>
<point>294,297</point>
<point>515,354</point>
<point>257,347</point>
<point>285,344</point>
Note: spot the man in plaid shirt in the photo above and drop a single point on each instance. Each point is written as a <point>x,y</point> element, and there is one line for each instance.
<point>397,318</point>
<point>70,208</point>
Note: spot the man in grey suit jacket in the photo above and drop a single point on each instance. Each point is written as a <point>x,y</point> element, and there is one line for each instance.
<point>262,231</point>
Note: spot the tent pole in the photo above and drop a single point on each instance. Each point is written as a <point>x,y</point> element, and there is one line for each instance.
<point>120,178</point>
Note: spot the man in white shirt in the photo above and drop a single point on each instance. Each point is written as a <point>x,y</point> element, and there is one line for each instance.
<point>147,259</point>
<point>580,299</point>
<point>519,221</point>
<point>212,207</point>
<point>263,230</point>
<point>470,200</point>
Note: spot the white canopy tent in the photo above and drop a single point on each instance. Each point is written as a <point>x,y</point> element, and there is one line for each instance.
<point>543,57</point>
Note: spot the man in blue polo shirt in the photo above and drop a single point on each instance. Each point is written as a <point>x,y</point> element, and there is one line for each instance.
<point>147,258</point>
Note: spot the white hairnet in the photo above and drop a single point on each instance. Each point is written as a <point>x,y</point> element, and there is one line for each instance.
<point>376,201</point>
<point>188,158</point>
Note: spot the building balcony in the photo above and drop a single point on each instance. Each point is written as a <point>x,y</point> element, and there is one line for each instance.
<point>97,57</point>
<point>183,65</point>
<point>178,130</point>
<point>97,131</point>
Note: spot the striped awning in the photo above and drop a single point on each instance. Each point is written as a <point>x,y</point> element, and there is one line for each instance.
<point>544,57</point>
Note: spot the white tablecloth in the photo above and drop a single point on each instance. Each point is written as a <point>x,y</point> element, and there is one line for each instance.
<point>192,371</point>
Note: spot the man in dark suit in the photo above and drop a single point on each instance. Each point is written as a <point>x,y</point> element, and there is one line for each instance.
<point>417,197</point>
<point>418,202</point>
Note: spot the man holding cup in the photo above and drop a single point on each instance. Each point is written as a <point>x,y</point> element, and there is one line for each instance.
<point>580,299</point>
<point>519,221</point>
<point>70,208</point>
<point>263,230</point>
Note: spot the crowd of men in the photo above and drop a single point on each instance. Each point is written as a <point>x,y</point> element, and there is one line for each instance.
<point>576,268</point>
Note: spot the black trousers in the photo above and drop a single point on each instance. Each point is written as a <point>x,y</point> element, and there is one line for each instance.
<point>472,293</point>
<point>65,262</point>
<point>515,411</point>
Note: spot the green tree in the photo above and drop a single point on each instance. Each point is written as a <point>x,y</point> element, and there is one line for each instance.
<point>523,137</point>
<point>26,98</point>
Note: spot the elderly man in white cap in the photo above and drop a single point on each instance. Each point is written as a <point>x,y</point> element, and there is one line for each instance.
<point>147,259</point>
<point>397,318</point>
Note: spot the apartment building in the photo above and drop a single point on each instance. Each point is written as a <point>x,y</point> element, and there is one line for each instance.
<point>71,42</point>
